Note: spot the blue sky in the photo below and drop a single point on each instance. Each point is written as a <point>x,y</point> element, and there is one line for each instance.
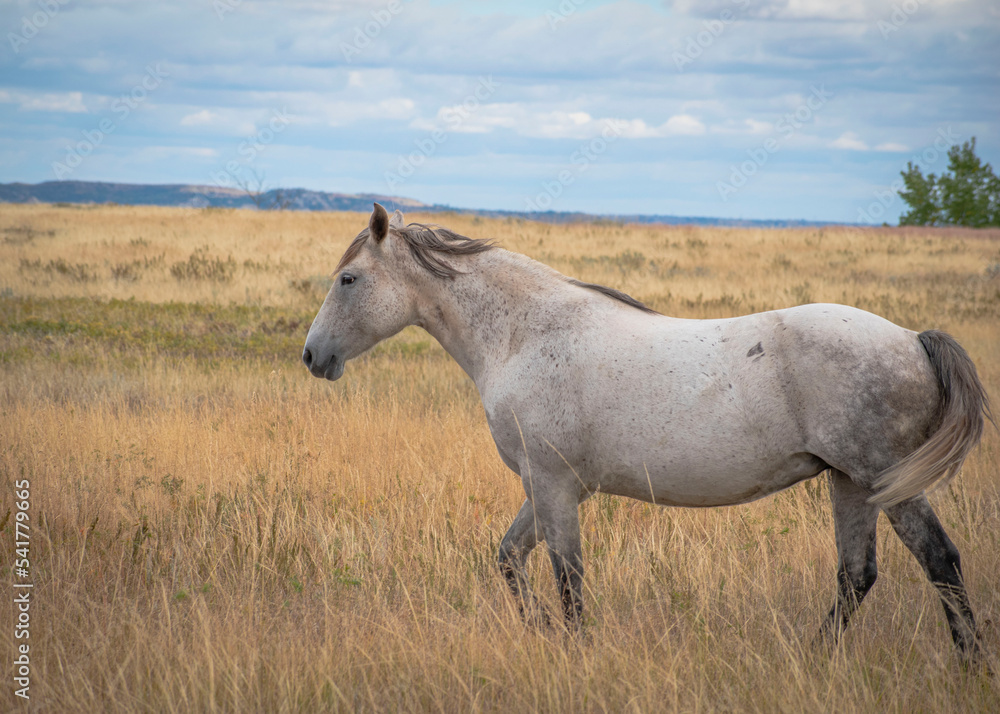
<point>782,109</point>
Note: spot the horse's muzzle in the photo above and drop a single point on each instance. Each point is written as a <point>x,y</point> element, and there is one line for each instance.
<point>331,369</point>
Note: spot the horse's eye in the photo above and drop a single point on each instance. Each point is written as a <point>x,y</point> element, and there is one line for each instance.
<point>346,279</point>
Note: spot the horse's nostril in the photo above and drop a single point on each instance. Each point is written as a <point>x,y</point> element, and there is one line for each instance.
<point>307,357</point>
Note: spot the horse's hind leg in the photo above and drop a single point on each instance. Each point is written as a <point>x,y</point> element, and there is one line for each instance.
<point>854,520</point>
<point>520,539</point>
<point>920,530</point>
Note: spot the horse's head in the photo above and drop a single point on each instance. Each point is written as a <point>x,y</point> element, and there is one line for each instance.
<point>367,303</point>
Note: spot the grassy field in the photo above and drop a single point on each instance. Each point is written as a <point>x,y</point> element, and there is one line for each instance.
<point>212,529</point>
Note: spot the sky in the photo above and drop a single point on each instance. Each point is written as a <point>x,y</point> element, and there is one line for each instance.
<point>752,109</point>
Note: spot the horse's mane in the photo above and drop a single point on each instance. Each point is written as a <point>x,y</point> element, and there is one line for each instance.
<point>427,244</point>
<point>430,244</point>
<point>616,294</point>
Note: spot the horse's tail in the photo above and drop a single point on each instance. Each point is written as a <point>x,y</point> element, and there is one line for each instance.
<point>963,404</point>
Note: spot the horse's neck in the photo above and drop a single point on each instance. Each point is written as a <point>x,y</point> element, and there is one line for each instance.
<point>480,316</point>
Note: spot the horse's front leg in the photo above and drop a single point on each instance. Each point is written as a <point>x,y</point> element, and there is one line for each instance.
<point>520,539</point>
<point>558,511</point>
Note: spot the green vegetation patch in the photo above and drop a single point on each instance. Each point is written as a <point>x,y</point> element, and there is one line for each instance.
<point>129,326</point>
<point>202,266</point>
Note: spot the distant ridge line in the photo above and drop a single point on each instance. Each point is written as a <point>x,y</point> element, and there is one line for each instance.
<point>301,199</point>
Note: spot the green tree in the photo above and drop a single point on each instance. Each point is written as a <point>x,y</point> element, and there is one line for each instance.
<point>970,194</point>
<point>922,195</point>
<point>967,194</point>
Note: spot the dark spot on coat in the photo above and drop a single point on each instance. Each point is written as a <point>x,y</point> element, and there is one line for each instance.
<point>757,349</point>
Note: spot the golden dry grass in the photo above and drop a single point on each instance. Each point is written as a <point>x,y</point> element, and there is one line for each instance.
<point>214,529</point>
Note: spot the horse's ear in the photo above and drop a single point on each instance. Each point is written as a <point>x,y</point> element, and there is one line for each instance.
<point>378,224</point>
<point>397,219</point>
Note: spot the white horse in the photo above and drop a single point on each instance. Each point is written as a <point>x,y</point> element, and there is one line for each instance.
<point>586,390</point>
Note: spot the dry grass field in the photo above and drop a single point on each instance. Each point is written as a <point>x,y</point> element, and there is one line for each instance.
<point>212,529</point>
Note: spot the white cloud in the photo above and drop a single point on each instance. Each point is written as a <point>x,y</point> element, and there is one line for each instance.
<point>200,118</point>
<point>758,127</point>
<point>634,128</point>
<point>71,102</point>
<point>747,126</point>
<point>251,110</point>
<point>682,125</point>
<point>551,124</point>
<point>892,146</point>
<point>818,9</point>
<point>227,121</point>
<point>95,65</point>
<point>480,119</point>
<point>710,106</point>
<point>67,102</point>
<point>779,9</point>
<point>342,113</point>
<point>560,125</point>
<point>396,108</point>
<point>850,141</point>
<point>159,153</point>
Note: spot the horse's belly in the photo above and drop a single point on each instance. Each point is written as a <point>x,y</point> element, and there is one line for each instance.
<point>710,481</point>
<point>721,435</point>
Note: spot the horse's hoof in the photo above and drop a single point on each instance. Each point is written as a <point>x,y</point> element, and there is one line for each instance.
<point>536,618</point>
<point>975,663</point>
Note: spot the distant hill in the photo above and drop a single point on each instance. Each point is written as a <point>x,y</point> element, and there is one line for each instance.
<point>300,199</point>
